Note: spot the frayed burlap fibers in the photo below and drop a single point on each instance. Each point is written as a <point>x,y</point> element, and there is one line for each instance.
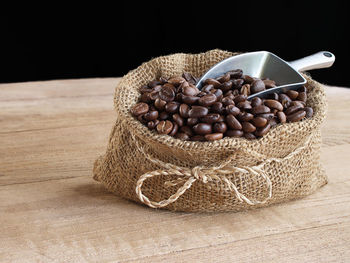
<point>231,174</point>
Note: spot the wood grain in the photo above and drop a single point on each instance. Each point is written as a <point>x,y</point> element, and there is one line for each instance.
<point>52,211</point>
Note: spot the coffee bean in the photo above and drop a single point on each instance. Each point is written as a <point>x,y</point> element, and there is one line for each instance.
<point>140,109</point>
<point>235,74</point>
<point>226,86</point>
<point>167,94</point>
<point>214,136</point>
<point>249,136</point>
<point>245,116</point>
<point>154,83</point>
<point>262,131</point>
<point>257,86</point>
<point>198,112</point>
<point>293,109</point>
<point>259,122</point>
<point>297,102</point>
<point>302,89</point>
<point>151,115</point>
<point>160,104</point>
<point>224,78</point>
<point>146,97</point>
<point>274,104</point>
<point>220,127</point>
<point>296,116</point>
<point>169,85</point>
<point>190,90</point>
<point>218,93</point>
<point>245,90</point>
<point>248,127</point>
<point>163,80</point>
<point>233,123</point>
<point>273,96</point>
<point>309,112</point>
<point>211,118</point>
<point>240,98</point>
<point>178,119</point>
<point>183,110</point>
<point>273,122</point>
<point>222,118</point>
<point>217,107</point>
<point>237,83</point>
<point>292,94</point>
<point>187,130</point>
<point>213,82</point>
<point>145,89</point>
<point>269,83</point>
<point>302,96</point>
<point>260,109</point>
<point>189,99</point>
<point>234,133</point>
<point>175,129</point>
<point>281,117</point>
<point>285,100</point>
<point>248,79</point>
<point>227,101</point>
<point>231,109</point>
<point>244,105</point>
<point>164,115</point>
<point>198,138</point>
<point>202,128</point>
<point>256,101</point>
<point>164,127</point>
<point>152,124</point>
<point>188,77</point>
<point>176,81</point>
<point>207,100</point>
<point>172,107</point>
<point>201,94</point>
<point>267,116</point>
<point>207,88</point>
<point>182,136</point>
<point>192,121</point>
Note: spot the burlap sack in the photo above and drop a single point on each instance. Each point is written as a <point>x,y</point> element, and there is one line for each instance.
<point>231,174</point>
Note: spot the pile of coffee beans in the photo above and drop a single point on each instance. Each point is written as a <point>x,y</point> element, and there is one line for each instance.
<point>176,107</point>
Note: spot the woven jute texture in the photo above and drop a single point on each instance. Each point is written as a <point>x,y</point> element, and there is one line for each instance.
<point>231,174</point>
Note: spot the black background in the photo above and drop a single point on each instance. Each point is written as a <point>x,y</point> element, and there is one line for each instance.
<point>110,41</point>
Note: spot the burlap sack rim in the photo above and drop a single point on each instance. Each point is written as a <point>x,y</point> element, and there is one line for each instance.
<point>143,133</point>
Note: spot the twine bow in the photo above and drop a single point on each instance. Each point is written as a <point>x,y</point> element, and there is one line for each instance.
<point>187,176</point>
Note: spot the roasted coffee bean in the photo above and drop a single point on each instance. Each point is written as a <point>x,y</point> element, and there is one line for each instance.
<point>175,129</point>
<point>257,86</point>
<point>187,130</point>
<point>190,90</point>
<point>260,109</point>
<point>178,119</point>
<point>237,83</point>
<point>183,110</point>
<point>182,136</point>
<point>231,109</point>
<point>267,116</point>
<point>192,121</point>
<point>207,100</point>
<point>233,123</point>
<point>140,109</point>
<point>207,88</point>
<point>240,98</point>
<point>218,93</point>
<point>172,107</point>
<point>167,94</point>
<point>230,94</point>
<point>222,118</point>
<point>211,118</point>
<point>154,95</point>
<point>259,122</point>
<point>226,86</point>
<point>146,97</point>
<point>213,82</point>
<point>235,74</point>
<point>292,94</point>
<point>164,127</point>
<point>145,89</point>
<point>296,116</point>
<point>249,136</point>
<point>284,99</point>
<point>248,127</point>
<point>214,136</point>
<point>152,124</point>
<point>302,96</point>
<point>227,101</point>
<point>293,109</point>
<point>281,117</point>
<point>169,85</point>
<point>273,96</point>
<point>198,112</point>
<point>164,115</point>
<point>176,81</point>
<point>273,122</point>
<point>274,111</point>
<point>201,94</point>
<point>234,133</point>
<point>217,107</point>
<point>248,79</point>
<point>224,78</point>
<point>262,131</point>
<point>188,77</point>
<point>198,138</point>
<point>154,83</point>
<point>141,119</point>
<point>245,90</point>
<point>274,104</point>
<point>163,80</point>
<point>302,89</point>
<point>245,116</point>
<point>297,102</point>
<point>189,99</point>
<point>256,101</point>
<point>202,128</point>
<point>244,105</point>
<point>220,127</point>
<point>309,112</point>
<point>160,104</point>
<point>269,83</point>
<point>151,115</point>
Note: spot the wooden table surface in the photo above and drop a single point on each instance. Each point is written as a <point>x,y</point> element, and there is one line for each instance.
<point>51,210</point>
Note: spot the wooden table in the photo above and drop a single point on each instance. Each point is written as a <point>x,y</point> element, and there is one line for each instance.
<point>51,210</point>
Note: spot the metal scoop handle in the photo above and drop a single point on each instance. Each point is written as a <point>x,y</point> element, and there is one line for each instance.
<point>322,59</point>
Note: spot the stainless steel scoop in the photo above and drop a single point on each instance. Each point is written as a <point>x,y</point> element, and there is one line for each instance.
<point>263,64</point>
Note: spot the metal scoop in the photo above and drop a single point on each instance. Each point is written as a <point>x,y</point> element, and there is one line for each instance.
<point>263,64</point>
